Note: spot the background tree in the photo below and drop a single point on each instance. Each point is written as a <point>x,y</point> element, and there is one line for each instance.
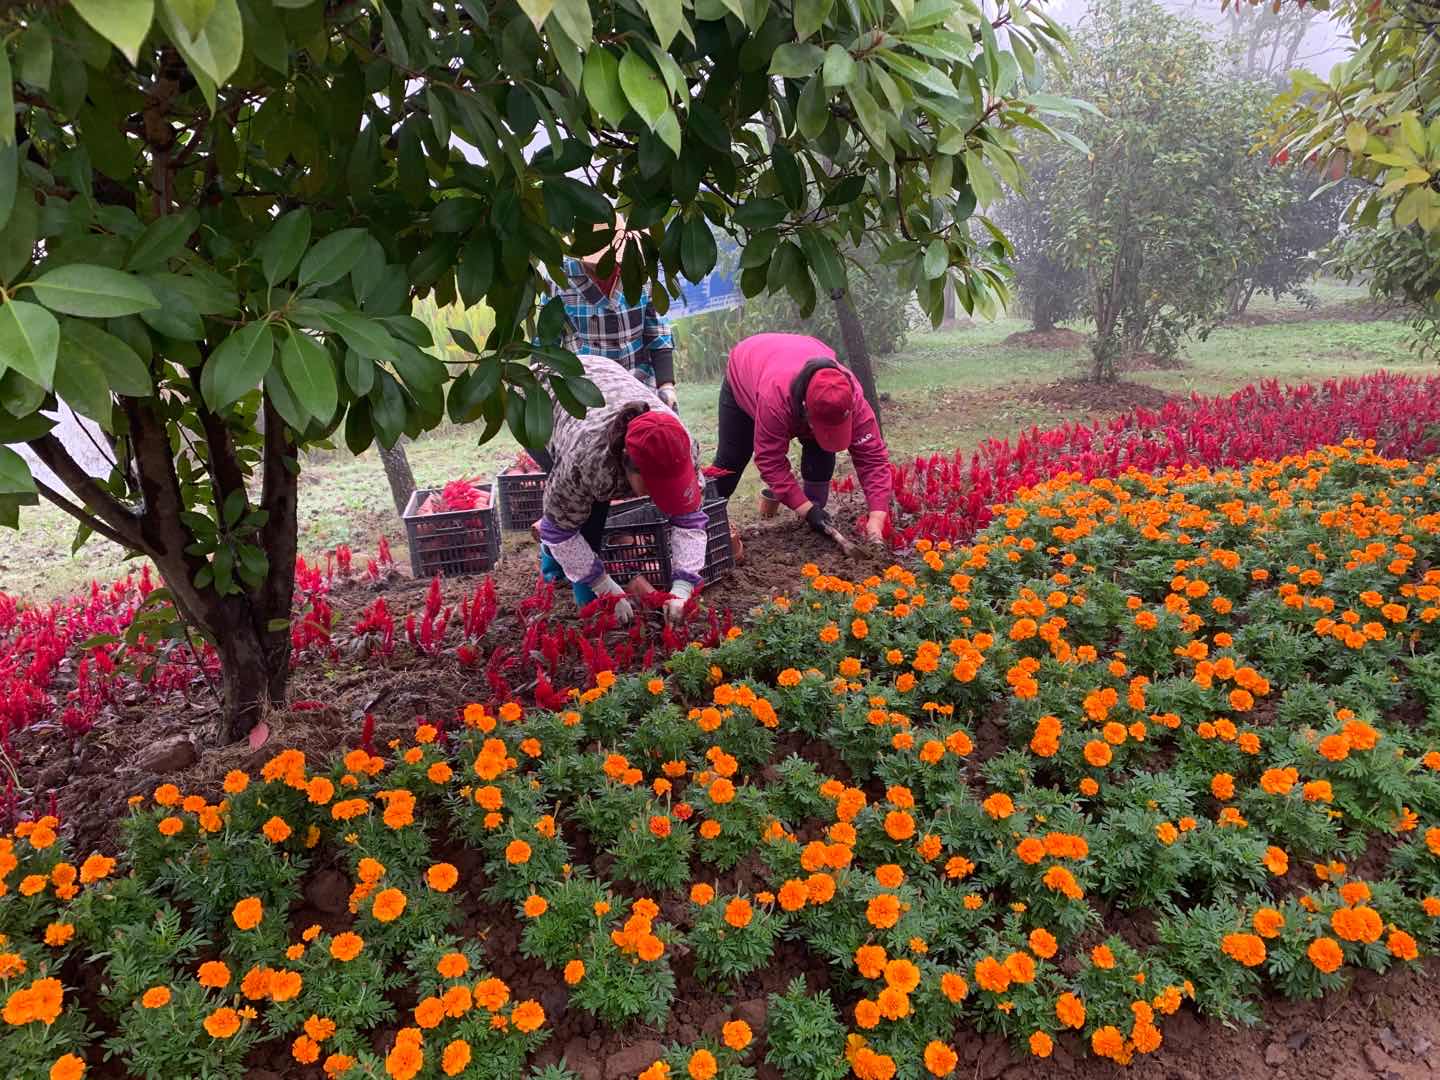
<point>216,217</point>
<point>1050,287</point>
<point>1376,119</point>
<point>1164,206</point>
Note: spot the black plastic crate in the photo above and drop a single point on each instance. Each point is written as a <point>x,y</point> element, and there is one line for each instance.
<point>453,542</point>
<point>521,500</point>
<point>637,541</point>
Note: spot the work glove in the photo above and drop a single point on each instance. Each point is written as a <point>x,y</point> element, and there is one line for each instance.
<point>624,610</point>
<point>666,394</point>
<point>680,593</point>
<point>819,520</point>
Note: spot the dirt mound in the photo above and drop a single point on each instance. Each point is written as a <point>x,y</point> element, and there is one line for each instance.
<point>1058,338</point>
<point>1082,396</point>
<point>1360,310</point>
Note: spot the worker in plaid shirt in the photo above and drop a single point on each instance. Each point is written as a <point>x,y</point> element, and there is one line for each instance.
<point>603,323</point>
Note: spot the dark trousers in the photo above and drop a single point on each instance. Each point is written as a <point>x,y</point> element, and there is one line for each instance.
<point>736,445</point>
<point>594,528</point>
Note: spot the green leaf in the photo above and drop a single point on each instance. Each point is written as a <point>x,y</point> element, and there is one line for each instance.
<point>698,252</point>
<point>643,89</point>
<point>667,16</point>
<point>310,375</point>
<point>80,383</point>
<point>29,342</point>
<point>575,21</point>
<point>1356,136</point>
<point>812,112</point>
<point>539,418</point>
<point>366,336</point>
<point>332,257</point>
<point>668,128</point>
<point>215,48</point>
<point>34,56</point>
<point>124,371</point>
<point>796,61</point>
<point>161,241</point>
<point>602,86</point>
<point>237,366</point>
<point>193,14</point>
<point>839,68</point>
<point>824,259</point>
<point>760,214</point>
<point>872,121</point>
<point>283,245</point>
<point>537,11</point>
<point>790,174</point>
<point>93,291</point>
<point>476,271</point>
<point>359,373</point>
<point>15,478</point>
<point>810,15</point>
<point>123,23</point>
<point>9,188</point>
<point>7,101</point>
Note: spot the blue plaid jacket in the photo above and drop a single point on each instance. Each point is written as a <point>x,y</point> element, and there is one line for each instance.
<point>635,336</point>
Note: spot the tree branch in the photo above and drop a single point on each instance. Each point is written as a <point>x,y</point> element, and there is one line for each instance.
<point>116,516</point>
<point>91,522</point>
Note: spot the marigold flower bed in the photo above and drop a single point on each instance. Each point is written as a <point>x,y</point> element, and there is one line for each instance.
<point>1205,699</point>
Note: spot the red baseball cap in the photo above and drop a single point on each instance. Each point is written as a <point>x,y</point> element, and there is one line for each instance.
<point>830,408</point>
<point>659,447</point>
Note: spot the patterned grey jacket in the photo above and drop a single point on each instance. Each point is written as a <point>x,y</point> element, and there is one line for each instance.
<point>585,473</point>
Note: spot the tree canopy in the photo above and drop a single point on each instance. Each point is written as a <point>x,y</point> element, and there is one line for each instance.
<point>217,213</point>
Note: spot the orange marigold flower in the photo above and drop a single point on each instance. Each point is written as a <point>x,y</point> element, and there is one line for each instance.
<point>1247,949</point>
<point>345,947</point>
<point>574,972</point>
<point>883,911</point>
<point>1325,953</point>
<point>1070,1010</point>
<point>442,877</point>
<point>517,852</point>
<point>1362,924</point>
<point>528,1016</point>
<point>736,1035</point>
<point>940,1060</point>
<point>155,997</point>
<point>1268,922</point>
<point>738,913</point>
<point>389,905</point>
<point>222,1023</point>
<point>248,913</point>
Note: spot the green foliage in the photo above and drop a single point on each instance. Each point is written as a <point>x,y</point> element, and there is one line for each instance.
<point>1175,129</point>
<point>192,268</point>
<point>805,1039</point>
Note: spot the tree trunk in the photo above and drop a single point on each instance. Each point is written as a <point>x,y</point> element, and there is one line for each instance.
<point>952,306</point>
<point>399,473</point>
<point>253,677</point>
<point>857,354</point>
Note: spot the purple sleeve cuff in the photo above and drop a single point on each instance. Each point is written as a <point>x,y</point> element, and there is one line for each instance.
<point>550,533</point>
<point>696,520</point>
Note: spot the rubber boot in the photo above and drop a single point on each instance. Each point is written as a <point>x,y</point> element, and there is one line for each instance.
<point>584,594</point>
<point>549,567</point>
<point>817,491</point>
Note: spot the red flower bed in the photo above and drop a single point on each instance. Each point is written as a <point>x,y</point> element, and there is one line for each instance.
<point>949,498</point>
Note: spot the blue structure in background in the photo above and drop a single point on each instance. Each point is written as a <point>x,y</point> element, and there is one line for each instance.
<point>720,289</point>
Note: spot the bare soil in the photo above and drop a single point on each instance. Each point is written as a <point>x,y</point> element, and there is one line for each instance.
<point>1082,397</point>
<point>1059,338</point>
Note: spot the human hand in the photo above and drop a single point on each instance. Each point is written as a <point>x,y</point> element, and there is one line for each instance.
<point>680,593</point>
<point>624,609</point>
<point>666,394</point>
<point>817,518</point>
<point>875,527</point>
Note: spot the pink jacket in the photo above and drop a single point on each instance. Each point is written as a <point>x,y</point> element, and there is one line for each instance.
<point>762,367</point>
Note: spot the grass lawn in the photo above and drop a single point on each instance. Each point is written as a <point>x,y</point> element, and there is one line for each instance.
<point>947,390</point>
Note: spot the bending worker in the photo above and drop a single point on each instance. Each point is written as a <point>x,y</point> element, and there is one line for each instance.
<point>632,445</point>
<point>780,387</point>
<point>601,322</point>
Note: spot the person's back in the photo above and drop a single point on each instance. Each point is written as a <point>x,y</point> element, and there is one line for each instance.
<point>763,367</point>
